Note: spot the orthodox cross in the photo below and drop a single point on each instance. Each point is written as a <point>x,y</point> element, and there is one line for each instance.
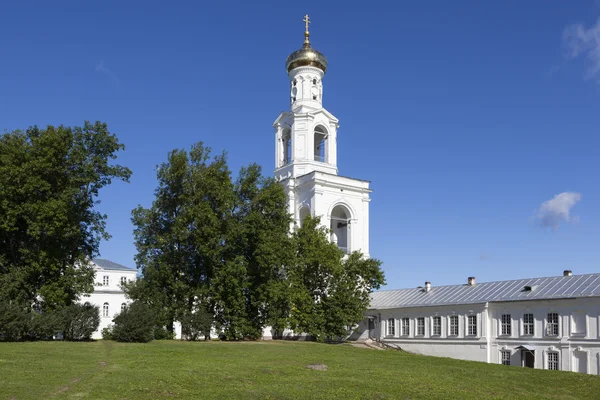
<point>306,20</point>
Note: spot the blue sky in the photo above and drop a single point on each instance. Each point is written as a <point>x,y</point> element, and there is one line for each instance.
<point>467,116</point>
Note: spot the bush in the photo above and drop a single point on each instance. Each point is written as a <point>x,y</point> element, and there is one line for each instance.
<point>80,321</point>
<point>196,324</point>
<point>107,333</point>
<point>162,333</point>
<point>14,322</point>
<point>134,324</point>
<point>45,325</point>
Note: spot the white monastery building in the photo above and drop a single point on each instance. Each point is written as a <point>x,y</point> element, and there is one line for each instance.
<point>548,323</point>
<point>108,293</point>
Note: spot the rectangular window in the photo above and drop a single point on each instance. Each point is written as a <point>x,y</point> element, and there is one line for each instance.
<point>123,280</point>
<point>578,323</point>
<point>421,326</point>
<point>472,325</point>
<point>552,324</point>
<point>506,325</point>
<point>505,357</point>
<point>437,326</point>
<point>553,360</point>
<point>391,327</point>
<point>405,326</point>
<point>454,325</point>
<point>105,280</point>
<point>528,324</point>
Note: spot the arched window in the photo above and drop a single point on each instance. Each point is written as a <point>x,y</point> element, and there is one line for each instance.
<point>340,217</point>
<point>123,307</point>
<point>304,212</point>
<point>320,144</point>
<point>287,146</point>
<point>105,310</point>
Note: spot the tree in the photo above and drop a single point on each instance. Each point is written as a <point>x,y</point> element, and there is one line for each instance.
<point>180,238</point>
<point>210,243</point>
<point>80,321</point>
<point>329,293</point>
<point>49,229</point>
<point>134,324</point>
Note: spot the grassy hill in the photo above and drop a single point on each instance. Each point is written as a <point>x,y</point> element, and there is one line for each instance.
<point>264,370</point>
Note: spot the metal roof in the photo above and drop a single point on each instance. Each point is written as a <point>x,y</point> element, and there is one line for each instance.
<point>556,287</point>
<point>110,265</point>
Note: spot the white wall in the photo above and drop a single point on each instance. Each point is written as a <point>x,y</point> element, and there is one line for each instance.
<point>111,294</point>
<point>578,341</point>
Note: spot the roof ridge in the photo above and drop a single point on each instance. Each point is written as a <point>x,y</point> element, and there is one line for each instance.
<point>489,282</point>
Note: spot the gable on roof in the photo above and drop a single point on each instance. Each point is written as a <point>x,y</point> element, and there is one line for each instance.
<point>557,287</point>
<point>110,265</point>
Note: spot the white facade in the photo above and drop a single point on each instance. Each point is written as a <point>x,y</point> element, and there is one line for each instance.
<point>552,333</point>
<point>108,294</point>
<point>306,165</point>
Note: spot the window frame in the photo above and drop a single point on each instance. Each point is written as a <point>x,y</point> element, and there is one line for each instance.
<point>472,325</point>
<point>436,327</point>
<point>405,328</point>
<point>527,324</point>
<point>420,326</point>
<point>555,325</point>
<point>391,327</point>
<point>105,280</point>
<point>553,365</point>
<point>505,325</point>
<point>105,309</point>
<point>453,324</point>
<point>505,360</point>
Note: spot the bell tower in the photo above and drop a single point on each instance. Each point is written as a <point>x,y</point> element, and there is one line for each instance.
<point>306,156</point>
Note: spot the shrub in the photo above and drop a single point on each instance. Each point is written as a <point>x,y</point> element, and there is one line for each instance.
<point>107,333</point>
<point>14,322</point>
<point>196,324</point>
<point>45,325</point>
<point>162,333</point>
<point>134,324</point>
<point>80,321</point>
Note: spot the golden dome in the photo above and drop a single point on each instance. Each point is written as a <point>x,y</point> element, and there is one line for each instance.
<point>306,56</point>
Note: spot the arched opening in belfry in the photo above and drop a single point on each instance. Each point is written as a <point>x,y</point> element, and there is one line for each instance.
<point>304,212</point>
<point>320,144</point>
<point>287,146</point>
<point>340,218</point>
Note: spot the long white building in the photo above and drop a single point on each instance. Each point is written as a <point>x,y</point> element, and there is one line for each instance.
<point>108,293</point>
<point>546,323</point>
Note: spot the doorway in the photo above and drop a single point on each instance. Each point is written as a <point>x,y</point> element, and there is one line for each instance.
<point>528,358</point>
<point>371,328</point>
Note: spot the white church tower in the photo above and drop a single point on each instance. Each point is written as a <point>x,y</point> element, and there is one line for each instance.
<point>306,156</point>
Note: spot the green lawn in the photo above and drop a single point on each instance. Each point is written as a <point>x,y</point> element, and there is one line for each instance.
<point>264,370</point>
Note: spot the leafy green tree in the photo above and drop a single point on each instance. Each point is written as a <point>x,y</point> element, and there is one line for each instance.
<point>49,229</point>
<point>196,324</point>
<point>135,323</point>
<point>328,292</point>
<point>80,321</point>
<point>210,243</point>
<point>180,239</point>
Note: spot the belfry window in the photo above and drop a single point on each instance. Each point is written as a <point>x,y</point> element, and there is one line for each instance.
<point>340,218</point>
<point>287,146</point>
<point>320,144</point>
